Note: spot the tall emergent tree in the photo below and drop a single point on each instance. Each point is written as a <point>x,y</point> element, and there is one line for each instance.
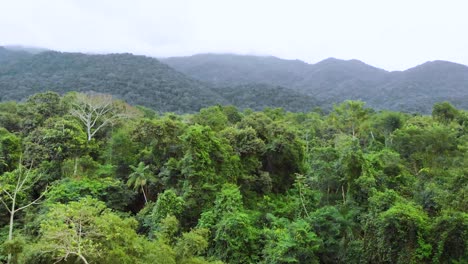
<point>97,110</point>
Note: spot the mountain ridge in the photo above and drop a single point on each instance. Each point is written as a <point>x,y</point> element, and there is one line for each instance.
<point>334,80</point>
<point>186,84</point>
<point>137,79</point>
<point>38,49</point>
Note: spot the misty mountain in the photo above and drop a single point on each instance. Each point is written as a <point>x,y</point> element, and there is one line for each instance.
<point>332,80</point>
<point>418,88</point>
<point>230,69</point>
<point>27,49</point>
<point>137,79</point>
<point>186,84</point>
<point>260,96</point>
<point>11,55</point>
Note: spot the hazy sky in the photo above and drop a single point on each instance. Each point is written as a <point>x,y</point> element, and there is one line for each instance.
<point>394,34</point>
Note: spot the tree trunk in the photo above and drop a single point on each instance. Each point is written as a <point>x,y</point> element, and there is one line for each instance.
<point>75,167</point>
<point>83,258</point>
<point>88,131</point>
<point>144,194</point>
<point>343,194</point>
<point>12,221</point>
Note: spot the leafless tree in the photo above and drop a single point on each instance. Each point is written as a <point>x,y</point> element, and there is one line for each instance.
<point>96,110</point>
<point>10,193</point>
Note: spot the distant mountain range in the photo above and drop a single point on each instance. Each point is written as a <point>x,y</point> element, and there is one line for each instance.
<point>333,80</point>
<point>186,84</point>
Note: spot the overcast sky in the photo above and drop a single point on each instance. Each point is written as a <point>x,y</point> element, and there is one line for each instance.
<point>394,34</point>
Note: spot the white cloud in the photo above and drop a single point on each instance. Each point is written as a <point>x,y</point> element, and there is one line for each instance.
<point>391,34</point>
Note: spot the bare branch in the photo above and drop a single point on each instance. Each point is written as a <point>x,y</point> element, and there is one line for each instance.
<point>33,202</point>
<point>96,111</point>
<point>9,195</point>
<point>6,206</point>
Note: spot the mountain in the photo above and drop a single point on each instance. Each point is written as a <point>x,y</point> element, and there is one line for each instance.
<point>27,49</point>
<point>137,79</point>
<point>186,84</point>
<point>420,87</point>
<point>260,96</point>
<point>332,80</point>
<point>9,55</point>
<point>230,69</point>
<point>330,75</point>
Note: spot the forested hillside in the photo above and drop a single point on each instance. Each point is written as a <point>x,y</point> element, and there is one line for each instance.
<point>85,178</point>
<point>8,55</point>
<point>260,96</point>
<point>137,79</point>
<point>231,69</point>
<point>244,81</point>
<point>333,81</point>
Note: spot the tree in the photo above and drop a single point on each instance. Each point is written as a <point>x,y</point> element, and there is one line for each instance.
<point>10,146</point>
<point>9,116</point>
<point>334,228</point>
<point>113,192</point>
<point>56,140</point>
<point>444,112</point>
<point>13,190</point>
<point>450,240</point>
<point>351,163</point>
<point>87,231</point>
<point>284,157</point>
<point>191,244</point>
<point>396,234</point>
<point>68,231</point>
<point>121,152</point>
<point>168,203</point>
<point>228,200</point>
<point>235,238</point>
<point>232,230</point>
<point>208,162</point>
<point>158,140</point>
<point>96,111</point>
<point>139,178</point>
<point>348,116</point>
<point>384,124</point>
<point>425,144</point>
<point>291,242</point>
<point>40,107</point>
<point>213,117</point>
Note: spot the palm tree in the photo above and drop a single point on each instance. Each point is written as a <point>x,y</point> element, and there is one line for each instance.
<point>139,178</point>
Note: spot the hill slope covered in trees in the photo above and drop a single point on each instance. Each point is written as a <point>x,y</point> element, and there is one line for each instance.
<point>245,81</point>
<point>136,79</point>
<point>333,80</point>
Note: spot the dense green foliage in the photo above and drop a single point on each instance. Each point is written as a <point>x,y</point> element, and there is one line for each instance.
<point>333,81</point>
<point>136,79</point>
<point>229,186</point>
<point>187,84</point>
<point>260,96</point>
